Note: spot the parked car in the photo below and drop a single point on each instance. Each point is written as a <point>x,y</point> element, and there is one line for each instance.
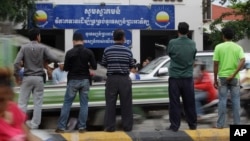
<point>157,69</point>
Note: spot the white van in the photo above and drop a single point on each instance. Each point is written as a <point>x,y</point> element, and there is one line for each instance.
<point>157,69</point>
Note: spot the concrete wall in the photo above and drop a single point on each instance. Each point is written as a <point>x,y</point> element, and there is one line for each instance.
<point>245,43</point>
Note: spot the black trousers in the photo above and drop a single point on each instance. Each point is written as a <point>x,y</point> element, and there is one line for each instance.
<point>118,85</point>
<point>181,88</point>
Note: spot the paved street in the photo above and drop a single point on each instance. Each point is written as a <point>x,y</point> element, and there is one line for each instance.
<point>156,123</point>
<point>158,120</point>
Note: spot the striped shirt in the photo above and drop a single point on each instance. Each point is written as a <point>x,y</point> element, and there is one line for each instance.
<point>118,60</point>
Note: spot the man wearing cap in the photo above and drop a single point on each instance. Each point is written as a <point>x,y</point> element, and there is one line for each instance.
<point>59,76</point>
<point>78,61</point>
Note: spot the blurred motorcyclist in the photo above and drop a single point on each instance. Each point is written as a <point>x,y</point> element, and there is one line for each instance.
<point>245,90</point>
<point>204,89</point>
<point>245,82</point>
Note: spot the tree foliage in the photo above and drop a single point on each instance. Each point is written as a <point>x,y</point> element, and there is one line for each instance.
<point>241,26</point>
<point>15,11</point>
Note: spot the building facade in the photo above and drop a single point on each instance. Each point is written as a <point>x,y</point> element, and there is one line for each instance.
<point>149,24</point>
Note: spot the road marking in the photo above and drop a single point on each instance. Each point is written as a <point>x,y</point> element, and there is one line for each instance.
<point>209,134</point>
<point>97,136</point>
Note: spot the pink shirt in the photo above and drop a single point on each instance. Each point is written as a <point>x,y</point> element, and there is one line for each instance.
<point>14,131</point>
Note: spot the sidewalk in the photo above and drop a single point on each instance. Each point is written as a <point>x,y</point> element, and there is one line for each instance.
<point>208,134</point>
<point>149,130</point>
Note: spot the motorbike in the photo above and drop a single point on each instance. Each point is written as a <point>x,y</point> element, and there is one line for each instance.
<point>210,111</point>
<point>245,102</point>
<point>245,105</point>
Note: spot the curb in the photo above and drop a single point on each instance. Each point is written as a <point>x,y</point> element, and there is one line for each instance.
<point>162,135</point>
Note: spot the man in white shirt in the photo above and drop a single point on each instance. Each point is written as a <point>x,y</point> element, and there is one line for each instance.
<point>133,74</point>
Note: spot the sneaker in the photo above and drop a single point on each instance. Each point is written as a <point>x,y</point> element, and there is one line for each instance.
<point>82,130</point>
<point>30,125</point>
<point>59,130</point>
<point>217,127</point>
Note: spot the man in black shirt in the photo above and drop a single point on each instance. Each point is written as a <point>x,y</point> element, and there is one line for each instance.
<point>77,62</point>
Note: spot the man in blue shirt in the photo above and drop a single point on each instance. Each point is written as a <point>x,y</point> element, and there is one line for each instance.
<point>59,76</point>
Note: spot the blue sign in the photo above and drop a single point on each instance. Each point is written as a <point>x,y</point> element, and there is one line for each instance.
<point>43,16</point>
<point>96,16</point>
<point>101,38</point>
<point>162,17</point>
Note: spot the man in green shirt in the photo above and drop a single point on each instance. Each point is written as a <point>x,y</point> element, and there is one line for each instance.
<point>182,51</point>
<point>228,60</point>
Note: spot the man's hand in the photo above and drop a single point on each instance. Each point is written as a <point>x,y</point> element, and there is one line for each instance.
<point>216,84</point>
<point>230,78</point>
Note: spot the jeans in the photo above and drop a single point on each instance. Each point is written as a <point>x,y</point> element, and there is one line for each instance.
<point>74,86</point>
<point>200,97</point>
<point>234,88</point>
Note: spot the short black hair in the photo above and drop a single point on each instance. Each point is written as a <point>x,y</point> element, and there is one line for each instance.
<point>183,28</point>
<point>118,34</point>
<point>77,37</point>
<point>33,33</point>
<point>228,33</point>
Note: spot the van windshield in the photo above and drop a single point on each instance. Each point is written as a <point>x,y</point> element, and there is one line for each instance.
<point>152,65</point>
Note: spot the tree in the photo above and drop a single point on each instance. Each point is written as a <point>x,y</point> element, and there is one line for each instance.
<point>15,11</point>
<point>241,26</point>
<point>222,2</point>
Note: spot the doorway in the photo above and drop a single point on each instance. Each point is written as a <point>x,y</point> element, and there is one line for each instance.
<point>154,42</point>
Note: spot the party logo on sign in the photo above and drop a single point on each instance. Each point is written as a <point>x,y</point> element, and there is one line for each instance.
<point>162,16</point>
<point>43,16</point>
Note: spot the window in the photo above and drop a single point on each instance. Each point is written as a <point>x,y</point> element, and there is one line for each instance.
<point>152,65</point>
